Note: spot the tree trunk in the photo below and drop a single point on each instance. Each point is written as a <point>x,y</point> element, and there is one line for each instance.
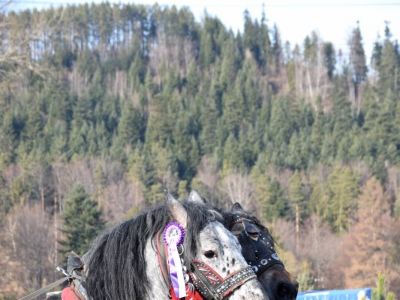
<point>42,197</point>
<point>297,225</point>
<point>55,232</point>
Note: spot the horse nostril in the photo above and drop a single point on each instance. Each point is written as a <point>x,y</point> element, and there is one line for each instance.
<point>284,290</point>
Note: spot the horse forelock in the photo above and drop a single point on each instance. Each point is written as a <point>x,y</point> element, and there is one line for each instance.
<point>198,218</point>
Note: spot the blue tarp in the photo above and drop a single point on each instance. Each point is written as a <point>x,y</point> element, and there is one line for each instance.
<point>357,294</point>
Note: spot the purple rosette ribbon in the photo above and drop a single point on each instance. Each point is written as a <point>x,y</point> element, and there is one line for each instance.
<point>173,237</point>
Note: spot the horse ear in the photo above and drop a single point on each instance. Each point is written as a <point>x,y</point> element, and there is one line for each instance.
<point>237,207</point>
<point>194,196</point>
<point>177,210</point>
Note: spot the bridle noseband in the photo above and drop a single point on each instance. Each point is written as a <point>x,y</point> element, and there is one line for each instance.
<point>263,263</point>
<point>212,286</point>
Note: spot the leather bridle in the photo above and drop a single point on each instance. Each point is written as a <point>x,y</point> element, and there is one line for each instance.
<point>263,263</point>
<point>209,284</point>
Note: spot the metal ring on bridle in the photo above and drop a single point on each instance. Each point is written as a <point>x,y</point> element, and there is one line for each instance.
<point>181,247</point>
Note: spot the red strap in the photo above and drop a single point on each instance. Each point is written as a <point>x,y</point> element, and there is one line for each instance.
<point>162,255</point>
<point>68,294</point>
<point>190,295</point>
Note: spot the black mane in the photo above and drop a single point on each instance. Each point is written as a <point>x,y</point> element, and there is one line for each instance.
<point>116,260</point>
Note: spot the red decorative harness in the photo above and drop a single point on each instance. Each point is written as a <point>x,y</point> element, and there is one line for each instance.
<point>191,295</point>
<point>204,283</point>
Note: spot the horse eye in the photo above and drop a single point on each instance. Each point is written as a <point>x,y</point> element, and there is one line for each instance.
<point>210,254</point>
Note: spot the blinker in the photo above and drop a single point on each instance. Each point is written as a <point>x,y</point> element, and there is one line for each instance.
<point>252,231</point>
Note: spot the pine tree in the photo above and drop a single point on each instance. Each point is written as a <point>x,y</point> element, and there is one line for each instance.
<point>248,144</point>
<point>330,59</point>
<point>33,131</point>
<point>182,189</point>
<point>294,159</point>
<point>370,108</point>
<point>160,124</point>
<point>317,131</point>
<point>319,199</point>
<point>92,149</point>
<point>297,200</point>
<point>207,49</point>
<point>130,124</point>
<point>18,192</point>
<point>342,114</point>
<point>343,184</point>
<point>255,38</point>
<point>59,142</point>
<point>155,193</point>
<point>281,125</point>
<point>357,56</point>
<point>231,59</point>
<point>276,50</point>
<point>192,80</point>
<point>379,292</point>
<point>276,206</point>
<point>7,140</point>
<point>251,89</point>
<point>389,65</point>
<point>233,109</point>
<point>269,193</point>
<point>100,181</point>
<point>232,159</point>
<point>81,222</point>
<point>78,139</point>
<point>209,120</point>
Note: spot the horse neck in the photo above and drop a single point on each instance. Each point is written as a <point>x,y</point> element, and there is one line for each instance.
<point>158,288</point>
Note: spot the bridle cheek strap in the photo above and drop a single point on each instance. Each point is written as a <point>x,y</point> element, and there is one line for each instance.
<point>212,286</point>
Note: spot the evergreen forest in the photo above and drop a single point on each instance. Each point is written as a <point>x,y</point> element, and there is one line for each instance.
<point>102,106</point>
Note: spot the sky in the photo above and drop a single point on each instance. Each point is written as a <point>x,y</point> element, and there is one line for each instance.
<point>295,19</point>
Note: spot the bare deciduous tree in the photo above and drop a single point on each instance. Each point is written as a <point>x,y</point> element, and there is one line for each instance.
<point>318,246</point>
<point>28,248</point>
<point>16,55</point>
<point>238,188</point>
<point>207,172</point>
<point>120,198</point>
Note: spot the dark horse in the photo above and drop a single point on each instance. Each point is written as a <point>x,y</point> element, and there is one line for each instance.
<point>258,250</point>
<point>125,261</point>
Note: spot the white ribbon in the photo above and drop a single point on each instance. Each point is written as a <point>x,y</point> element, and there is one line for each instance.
<point>176,272</point>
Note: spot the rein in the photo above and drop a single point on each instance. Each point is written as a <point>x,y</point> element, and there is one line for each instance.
<point>75,289</point>
<point>252,232</point>
<point>202,282</point>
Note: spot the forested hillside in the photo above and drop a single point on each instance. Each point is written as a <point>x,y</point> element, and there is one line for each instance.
<point>102,106</point>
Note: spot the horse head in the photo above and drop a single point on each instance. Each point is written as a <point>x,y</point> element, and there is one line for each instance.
<point>150,255</point>
<point>258,250</point>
